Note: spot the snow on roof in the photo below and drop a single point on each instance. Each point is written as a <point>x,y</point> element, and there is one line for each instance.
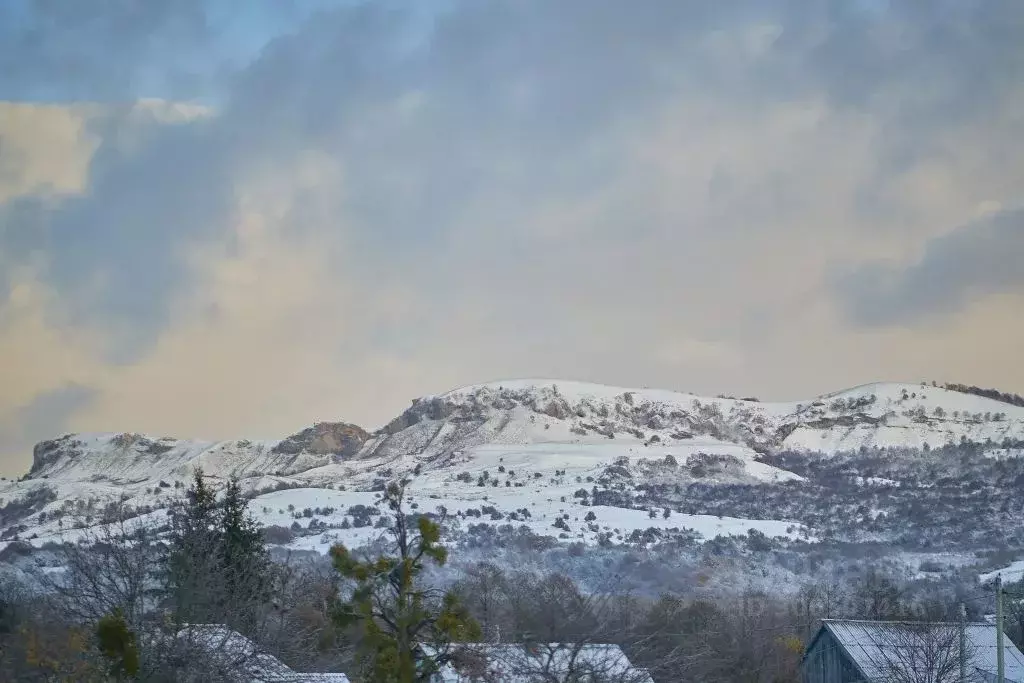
<point>303,678</point>
<point>521,663</point>
<point>243,655</point>
<point>866,643</point>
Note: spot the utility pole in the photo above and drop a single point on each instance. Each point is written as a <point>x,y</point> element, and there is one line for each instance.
<point>963,643</point>
<point>1000,670</point>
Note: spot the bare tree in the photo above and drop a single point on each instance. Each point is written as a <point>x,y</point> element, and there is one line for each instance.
<point>877,597</point>
<point>759,641</point>
<point>814,602</point>
<point>122,567</point>
<point>108,567</point>
<point>299,627</point>
<point>119,567</point>
<point>36,642</point>
<point>1014,606</point>
<point>484,590</point>
<point>552,631</point>
<point>681,637</point>
<point>908,652</point>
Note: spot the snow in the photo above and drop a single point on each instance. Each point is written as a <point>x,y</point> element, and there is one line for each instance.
<point>876,481</point>
<point>943,417</point>
<point>245,656</point>
<point>542,496</point>
<point>557,436</point>
<point>1003,453</point>
<point>517,663</point>
<point>897,430</point>
<point>575,392</point>
<point>865,642</point>
<point>1011,573</point>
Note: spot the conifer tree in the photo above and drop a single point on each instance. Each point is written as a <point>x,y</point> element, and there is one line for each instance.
<point>408,631</point>
<point>244,559</point>
<point>192,566</point>
<point>219,569</point>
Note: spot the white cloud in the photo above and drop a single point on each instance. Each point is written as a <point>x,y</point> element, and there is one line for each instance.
<point>664,209</point>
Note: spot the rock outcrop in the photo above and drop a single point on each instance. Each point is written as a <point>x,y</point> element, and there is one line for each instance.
<point>340,439</point>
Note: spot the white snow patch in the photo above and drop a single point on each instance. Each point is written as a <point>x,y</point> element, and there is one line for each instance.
<point>1011,573</point>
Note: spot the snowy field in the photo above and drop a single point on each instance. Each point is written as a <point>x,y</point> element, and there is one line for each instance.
<point>541,478</point>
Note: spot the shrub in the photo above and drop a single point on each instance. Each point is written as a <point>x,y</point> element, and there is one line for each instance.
<point>278,534</point>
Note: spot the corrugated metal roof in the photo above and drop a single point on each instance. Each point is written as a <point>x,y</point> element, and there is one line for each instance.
<point>297,677</point>
<point>870,645</point>
<point>247,658</point>
<point>521,663</point>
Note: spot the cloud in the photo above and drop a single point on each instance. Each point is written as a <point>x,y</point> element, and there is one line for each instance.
<point>376,202</point>
<point>45,417</point>
<point>93,52</point>
<point>953,271</point>
<point>44,149</point>
<point>505,107</point>
<point>47,372</point>
<point>39,357</point>
<point>112,243</point>
<point>118,51</point>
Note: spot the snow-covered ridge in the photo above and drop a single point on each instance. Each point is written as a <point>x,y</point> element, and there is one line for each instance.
<point>879,414</point>
<point>518,444</point>
<point>128,458</point>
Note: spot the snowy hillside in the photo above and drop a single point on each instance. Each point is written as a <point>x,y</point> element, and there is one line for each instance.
<point>574,461</point>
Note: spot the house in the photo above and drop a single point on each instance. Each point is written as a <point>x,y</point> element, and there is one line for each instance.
<point>233,654</point>
<point>532,663</point>
<point>847,651</point>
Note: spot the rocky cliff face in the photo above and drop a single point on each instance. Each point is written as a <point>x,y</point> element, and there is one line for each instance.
<point>340,439</point>
<point>510,412</point>
<point>49,453</point>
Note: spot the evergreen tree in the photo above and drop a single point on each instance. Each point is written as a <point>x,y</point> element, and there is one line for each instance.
<point>117,645</point>
<point>244,560</point>
<point>408,631</point>
<point>219,568</point>
<point>193,578</point>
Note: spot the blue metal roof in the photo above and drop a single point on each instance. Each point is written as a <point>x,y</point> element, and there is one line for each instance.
<point>869,645</point>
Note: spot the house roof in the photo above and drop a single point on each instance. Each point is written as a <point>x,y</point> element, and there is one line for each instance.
<point>521,663</point>
<point>867,643</point>
<point>249,660</point>
<point>296,677</point>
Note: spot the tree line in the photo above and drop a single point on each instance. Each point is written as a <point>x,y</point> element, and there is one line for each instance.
<point>994,394</point>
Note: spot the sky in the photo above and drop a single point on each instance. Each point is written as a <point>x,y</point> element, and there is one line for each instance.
<point>218,223</point>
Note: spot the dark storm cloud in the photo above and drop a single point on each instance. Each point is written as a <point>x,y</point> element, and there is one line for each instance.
<point>973,261</point>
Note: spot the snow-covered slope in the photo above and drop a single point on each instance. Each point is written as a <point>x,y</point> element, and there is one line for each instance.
<point>532,445</point>
<point>1009,574</point>
<point>543,411</point>
<point>900,415</point>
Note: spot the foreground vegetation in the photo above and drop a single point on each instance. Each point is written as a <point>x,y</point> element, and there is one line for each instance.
<point>120,610</point>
